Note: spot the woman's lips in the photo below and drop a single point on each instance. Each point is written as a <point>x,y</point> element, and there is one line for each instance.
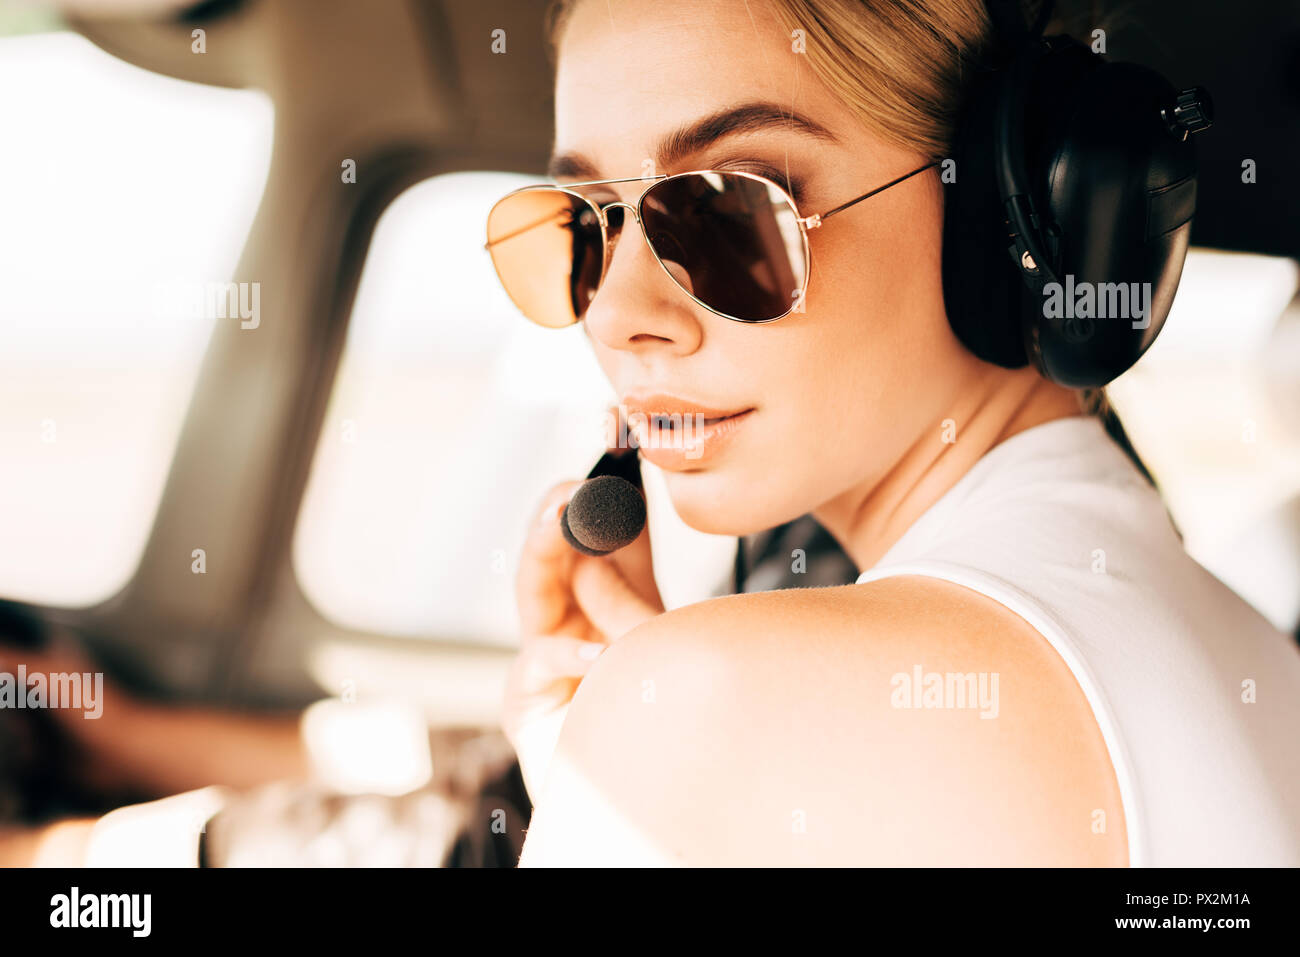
<point>678,436</point>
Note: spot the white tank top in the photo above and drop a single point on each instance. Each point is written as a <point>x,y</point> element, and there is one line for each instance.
<point>1196,694</point>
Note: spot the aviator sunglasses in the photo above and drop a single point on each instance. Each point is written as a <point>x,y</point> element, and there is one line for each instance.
<point>736,240</point>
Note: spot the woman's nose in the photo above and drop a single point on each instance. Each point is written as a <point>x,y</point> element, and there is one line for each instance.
<point>638,306</point>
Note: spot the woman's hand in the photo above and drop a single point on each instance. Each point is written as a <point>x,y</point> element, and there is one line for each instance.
<point>571,607</point>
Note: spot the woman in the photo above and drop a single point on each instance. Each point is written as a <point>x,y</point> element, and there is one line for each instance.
<point>1030,671</point>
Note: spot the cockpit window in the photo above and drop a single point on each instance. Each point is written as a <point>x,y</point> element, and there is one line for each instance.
<point>127,198</point>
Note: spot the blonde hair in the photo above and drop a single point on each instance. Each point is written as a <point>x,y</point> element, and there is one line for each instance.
<point>900,66</point>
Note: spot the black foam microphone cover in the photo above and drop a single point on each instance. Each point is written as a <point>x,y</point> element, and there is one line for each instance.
<point>605,514</point>
<point>608,511</point>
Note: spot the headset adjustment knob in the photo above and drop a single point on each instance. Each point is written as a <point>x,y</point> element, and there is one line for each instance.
<point>1192,112</point>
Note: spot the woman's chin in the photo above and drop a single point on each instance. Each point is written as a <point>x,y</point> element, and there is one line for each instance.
<point>713,504</point>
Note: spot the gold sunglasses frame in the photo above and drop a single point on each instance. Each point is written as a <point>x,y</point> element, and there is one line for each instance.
<point>805,224</point>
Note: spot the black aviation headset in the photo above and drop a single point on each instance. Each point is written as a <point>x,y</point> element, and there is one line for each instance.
<point>1073,170</point>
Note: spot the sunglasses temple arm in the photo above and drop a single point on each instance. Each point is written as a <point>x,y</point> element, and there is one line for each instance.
<point>522,229</point>
<point>879,189</point>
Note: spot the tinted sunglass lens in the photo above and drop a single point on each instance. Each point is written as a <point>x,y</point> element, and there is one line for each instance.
<point>731,241</point>
<point>547,248</point>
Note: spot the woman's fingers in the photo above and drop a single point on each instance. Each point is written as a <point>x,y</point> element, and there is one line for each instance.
<point>542,585</point>
<point>637,565</point>
<point>608,599</point>
<point>543,659</point>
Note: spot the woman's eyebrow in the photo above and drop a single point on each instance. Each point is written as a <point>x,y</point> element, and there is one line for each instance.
<point>690,139</point>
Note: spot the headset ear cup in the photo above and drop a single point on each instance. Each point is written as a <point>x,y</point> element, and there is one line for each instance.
<point>981,287</point>
<point>1112,191</point>
<point>1121,190</point>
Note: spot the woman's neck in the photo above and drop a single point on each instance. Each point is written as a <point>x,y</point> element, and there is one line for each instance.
<point>867,520</point>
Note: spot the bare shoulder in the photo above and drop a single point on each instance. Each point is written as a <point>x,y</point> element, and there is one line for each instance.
<point>908,721</point>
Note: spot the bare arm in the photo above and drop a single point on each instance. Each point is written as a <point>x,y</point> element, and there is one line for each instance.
<point>161,749</point>
<point>767,730</point>
<point>165,750</point>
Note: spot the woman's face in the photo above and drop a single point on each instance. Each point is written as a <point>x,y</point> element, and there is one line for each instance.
<point>838,392</point>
